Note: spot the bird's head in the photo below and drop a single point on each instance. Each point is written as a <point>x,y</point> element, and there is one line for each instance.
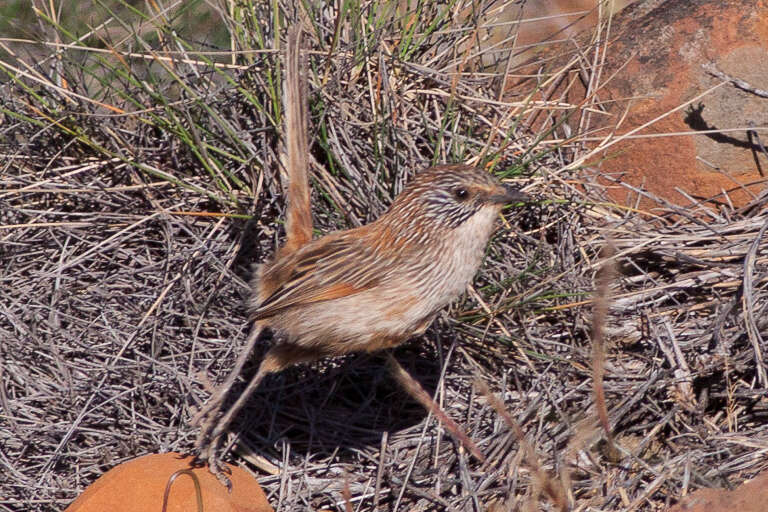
<point>448,196</point>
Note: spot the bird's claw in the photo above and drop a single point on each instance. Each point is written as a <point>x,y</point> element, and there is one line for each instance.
<point>207,443</point>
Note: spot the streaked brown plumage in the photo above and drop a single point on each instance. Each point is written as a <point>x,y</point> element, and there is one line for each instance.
<point>375,286</point>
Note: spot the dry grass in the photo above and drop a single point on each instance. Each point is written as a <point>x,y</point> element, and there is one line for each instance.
<point>136,193</point>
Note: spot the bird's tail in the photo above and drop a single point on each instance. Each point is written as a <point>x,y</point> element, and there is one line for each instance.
<point>298,222</point>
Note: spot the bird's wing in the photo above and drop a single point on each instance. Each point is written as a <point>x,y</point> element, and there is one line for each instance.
<point>322,270</point>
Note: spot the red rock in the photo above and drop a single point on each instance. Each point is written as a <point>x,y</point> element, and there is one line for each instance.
<point>672,42</point>
<point>139,484</point>
<point>751,496</point>
<point>654,63</point>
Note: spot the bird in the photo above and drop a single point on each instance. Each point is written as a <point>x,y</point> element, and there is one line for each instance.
<point>374,286</point>
<point>360,290</point>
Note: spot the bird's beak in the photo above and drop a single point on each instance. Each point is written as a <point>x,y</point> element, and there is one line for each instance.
<point>508,194</point>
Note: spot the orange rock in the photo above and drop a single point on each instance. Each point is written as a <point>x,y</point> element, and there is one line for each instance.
<point>139,485</point>
<point>671,43</point>
<point>664,46</point>
<point>653,65</point>
<point>751,496</point>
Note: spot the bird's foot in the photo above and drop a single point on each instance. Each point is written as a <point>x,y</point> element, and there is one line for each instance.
<point>207,448</point>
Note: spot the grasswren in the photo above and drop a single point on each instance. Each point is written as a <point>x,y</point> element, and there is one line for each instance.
<point>370,287</point>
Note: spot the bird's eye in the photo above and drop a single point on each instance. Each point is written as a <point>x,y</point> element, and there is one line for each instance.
<point>461,193</point>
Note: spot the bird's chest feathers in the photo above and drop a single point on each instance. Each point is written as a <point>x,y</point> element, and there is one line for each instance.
<point>470,239</point>
<point>462,254</point>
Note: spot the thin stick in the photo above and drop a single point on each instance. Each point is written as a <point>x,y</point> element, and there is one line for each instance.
<point>711,68</point>
<point>550,486</point>
<point>599,313</point>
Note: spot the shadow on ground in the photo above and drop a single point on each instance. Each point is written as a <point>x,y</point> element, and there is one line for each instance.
<point>342,403</point>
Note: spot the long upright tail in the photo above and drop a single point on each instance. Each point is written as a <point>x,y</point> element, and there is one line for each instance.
<point>298,222</point>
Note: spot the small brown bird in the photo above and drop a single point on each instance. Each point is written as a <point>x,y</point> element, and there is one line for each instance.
<point>366,288</point>
<point>374,286</point>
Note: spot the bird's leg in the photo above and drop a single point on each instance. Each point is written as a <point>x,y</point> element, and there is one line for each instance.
<point>213,427</point>
<point>217,428</point>
<point>205,445</point>
<point>211,431</point>
<point>278,357</point>
<point>413,388</point>
<point>213,405</point>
